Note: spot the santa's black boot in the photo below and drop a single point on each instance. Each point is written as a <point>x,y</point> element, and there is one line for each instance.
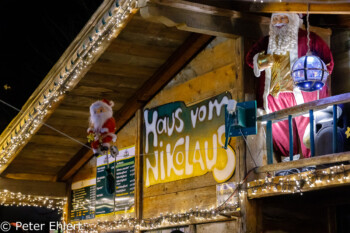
<point>104,148</point>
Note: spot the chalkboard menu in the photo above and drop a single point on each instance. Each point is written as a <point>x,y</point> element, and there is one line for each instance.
<point>83,200</point>
<point>104,200</point>
<point>125,181</point>
<point>90,198</point>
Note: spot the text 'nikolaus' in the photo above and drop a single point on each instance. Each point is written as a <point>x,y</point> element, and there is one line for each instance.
<point>181,142</point>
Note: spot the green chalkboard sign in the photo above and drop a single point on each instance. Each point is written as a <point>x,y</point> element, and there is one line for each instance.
<point>125,181</point>
<point>83,200</point>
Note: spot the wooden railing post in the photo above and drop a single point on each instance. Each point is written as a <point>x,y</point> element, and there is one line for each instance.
<point>312,135</point>
<point>335,117</point>
<point>290,124</point>
<point>269,143</point>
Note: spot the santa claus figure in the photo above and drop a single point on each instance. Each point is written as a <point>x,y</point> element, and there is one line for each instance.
<point>101,132</point>
<point>272,58</point>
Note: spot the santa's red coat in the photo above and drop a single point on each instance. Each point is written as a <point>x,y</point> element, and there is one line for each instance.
<point>285,100</point>
<point>106,133</point>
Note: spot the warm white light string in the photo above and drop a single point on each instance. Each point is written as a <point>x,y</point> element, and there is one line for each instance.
<point>163,220</point>
<point>173,219</point>
<point>8,198</point>
<point>296,183</point>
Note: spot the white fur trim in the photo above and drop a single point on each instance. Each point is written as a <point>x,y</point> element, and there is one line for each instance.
<point>298,96</point>
<point>257,71</point>
<point>293,57</point>
<point>286,159</point>
<point>111,103</point>
<point>267,89</point>
<point>89,130</point>
<point>104,130</point>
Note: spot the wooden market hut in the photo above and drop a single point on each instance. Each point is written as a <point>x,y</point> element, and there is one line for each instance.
<point>170,57</point>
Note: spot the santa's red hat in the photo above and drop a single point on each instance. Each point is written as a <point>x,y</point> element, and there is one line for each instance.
<point>110,103</point>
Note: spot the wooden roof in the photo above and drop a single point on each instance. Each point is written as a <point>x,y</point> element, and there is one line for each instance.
<point>131,60</point>
<point>134,67</point>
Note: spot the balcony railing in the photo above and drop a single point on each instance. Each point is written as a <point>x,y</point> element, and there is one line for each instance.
<point>289,114</point>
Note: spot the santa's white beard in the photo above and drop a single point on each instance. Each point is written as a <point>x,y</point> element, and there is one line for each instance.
<point>283,39</point>
<point>98,119</point>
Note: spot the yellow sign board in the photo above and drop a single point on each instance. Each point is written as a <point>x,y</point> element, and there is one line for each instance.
<point>186,141</point>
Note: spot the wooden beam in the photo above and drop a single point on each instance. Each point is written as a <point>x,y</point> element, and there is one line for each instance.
<point>35,188</point>
<point>200,18</point>
<point>196,221</point>
<point>193,44</point>
<point>304,108</point>
<point>289,6</point>
<point>318,160</point>
<point>28,176</point>
<point>139,168</point>
<point>301,7</point>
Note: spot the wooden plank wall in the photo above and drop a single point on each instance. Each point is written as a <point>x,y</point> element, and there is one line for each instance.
<point>215,70</point>
<point>340,45</point>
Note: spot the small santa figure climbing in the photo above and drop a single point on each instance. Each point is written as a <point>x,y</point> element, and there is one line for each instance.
<point>101,132</point>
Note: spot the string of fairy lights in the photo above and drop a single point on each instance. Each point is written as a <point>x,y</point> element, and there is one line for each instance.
<point>300,182</point>
<point>294,183</point>
<point>168,219</point>
<point>229,206</point>
<point>8,198</point>
<point>31,118</point>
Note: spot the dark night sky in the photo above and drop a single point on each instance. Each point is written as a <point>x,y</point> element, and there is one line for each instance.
<point>33,36</point>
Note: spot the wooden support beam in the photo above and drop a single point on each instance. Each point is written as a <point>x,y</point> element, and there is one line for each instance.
<point>318,160</point>
<point>35,188</point>
<point>194,221</point>
<point>304,108</point>
<point>289,6</point>
<point>139,168</point>
<point>193,44</point>
<point>200,18</point>
<point>301,7</point>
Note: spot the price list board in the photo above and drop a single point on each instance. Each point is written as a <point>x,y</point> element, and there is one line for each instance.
<point>125,181</point>
<point>83,200</point>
